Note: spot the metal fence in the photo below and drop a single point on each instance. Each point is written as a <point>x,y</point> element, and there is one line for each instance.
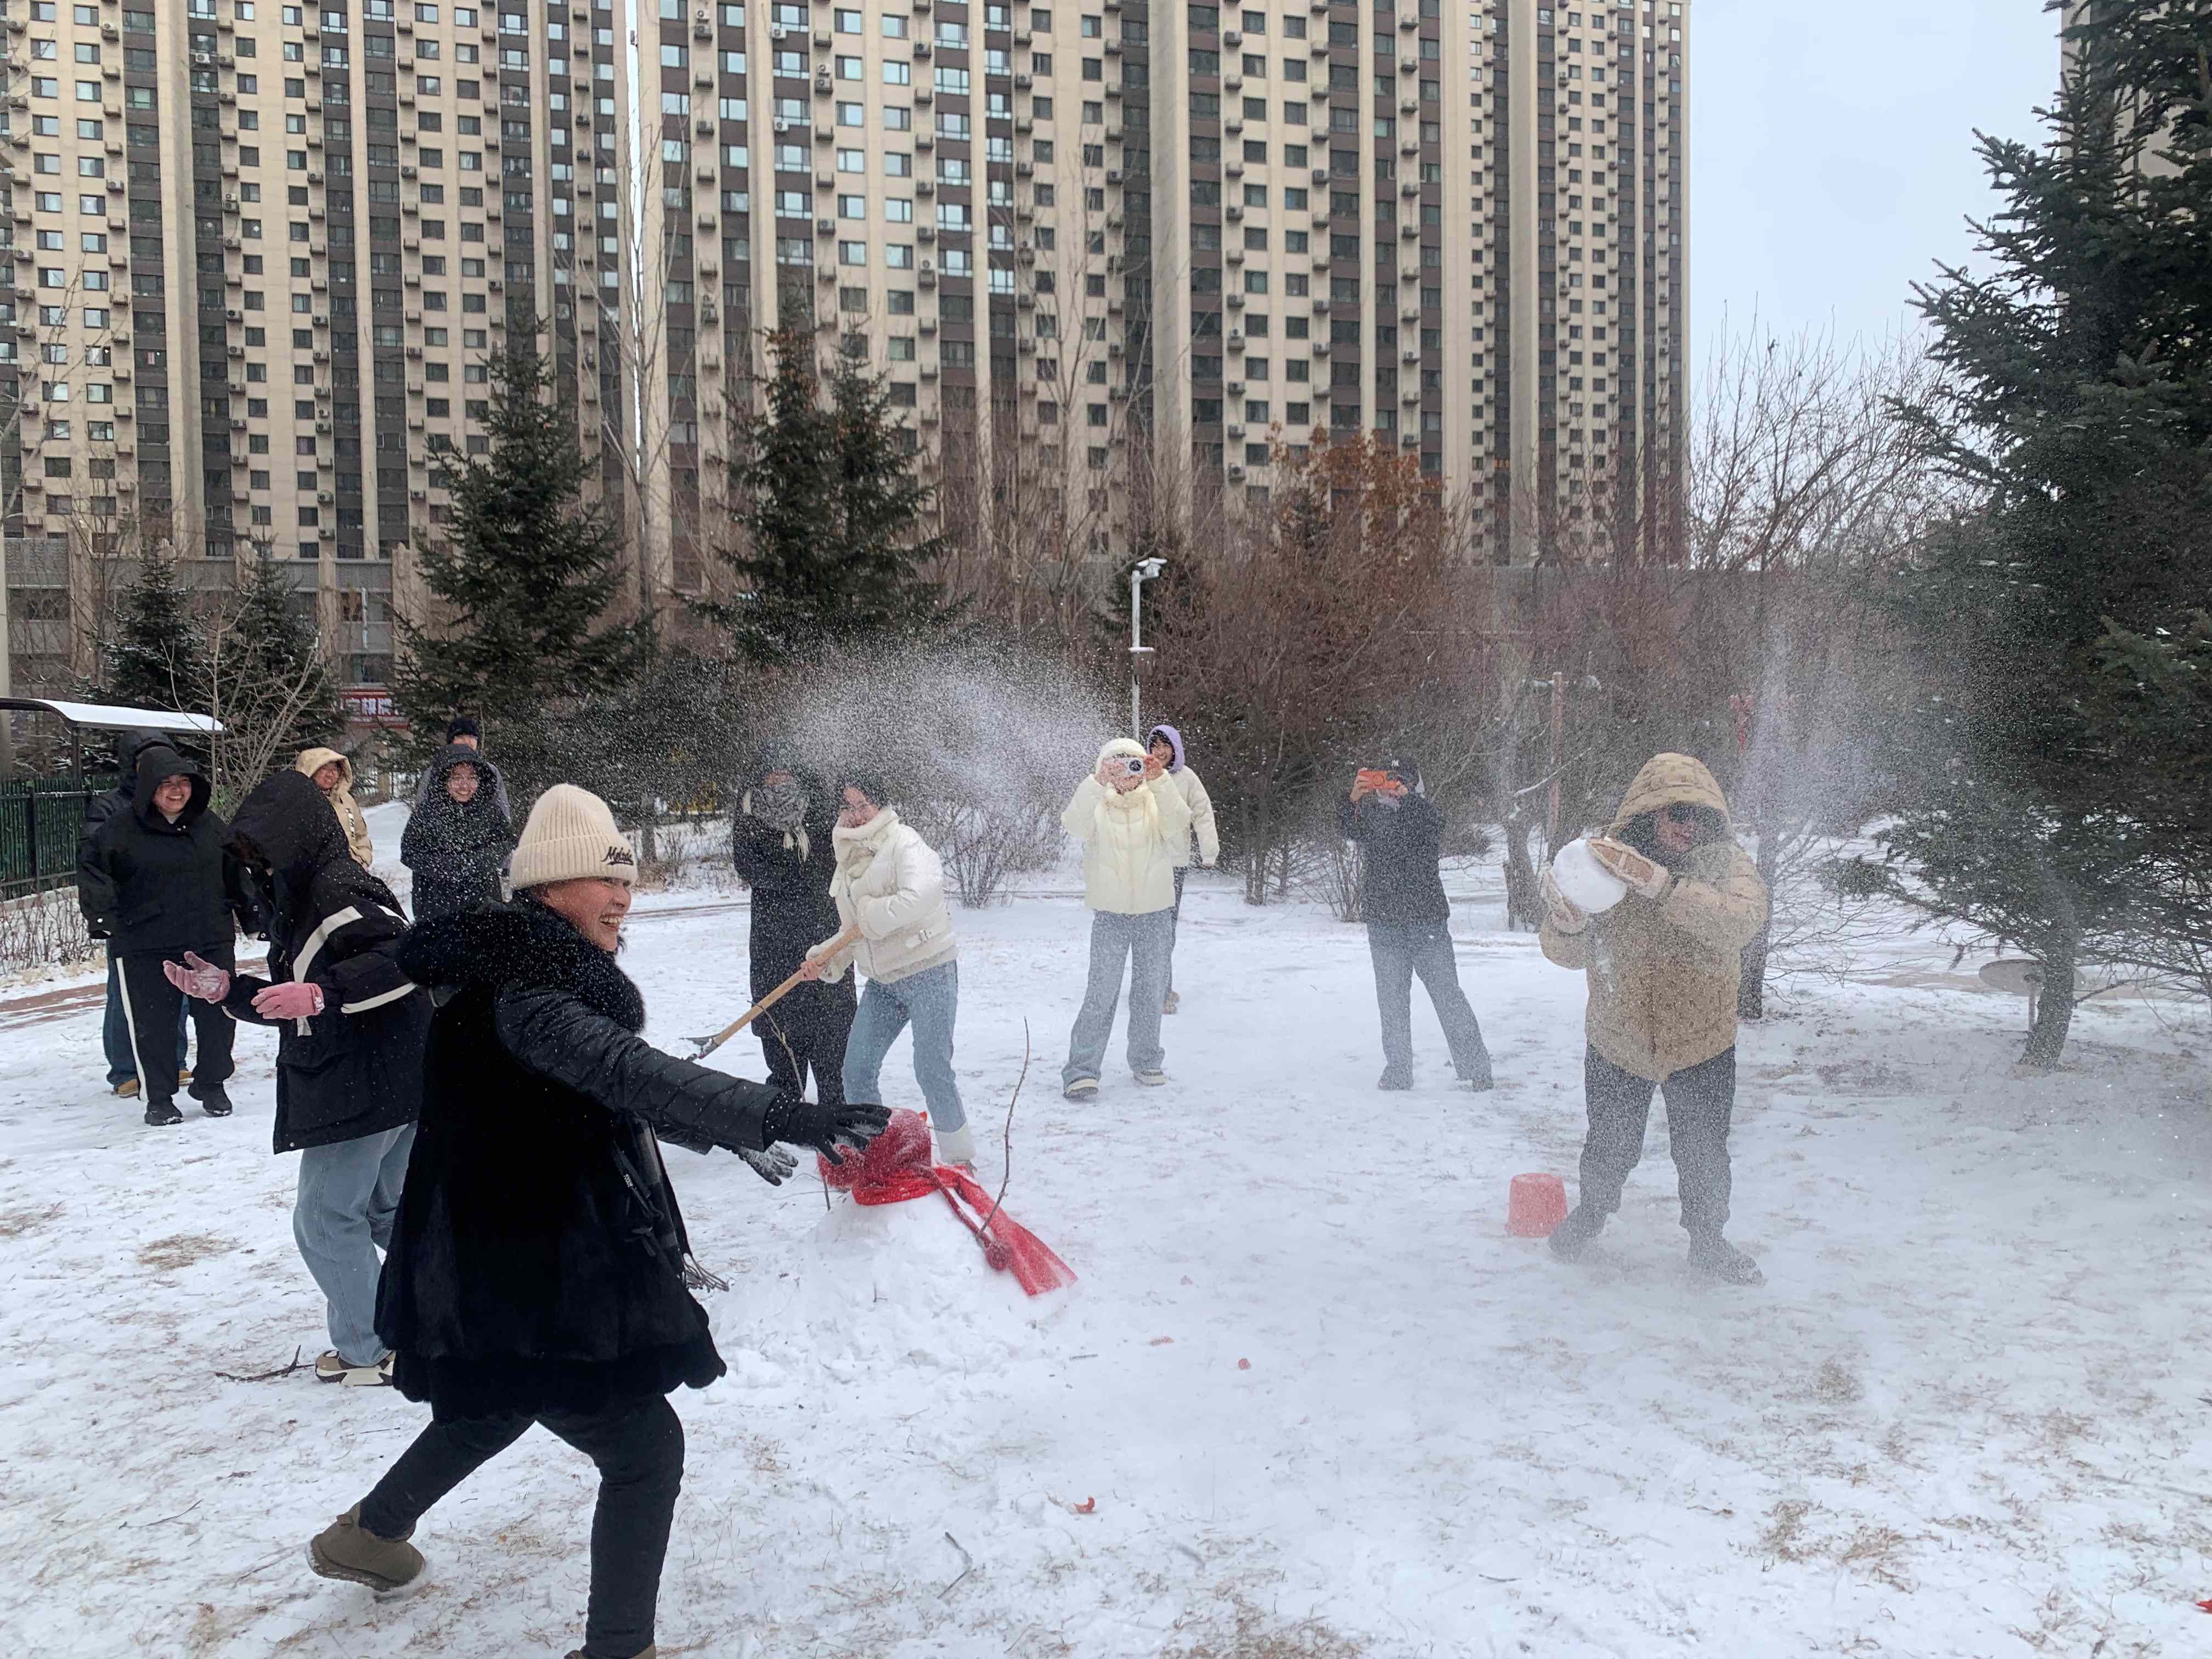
<point>39,818</point>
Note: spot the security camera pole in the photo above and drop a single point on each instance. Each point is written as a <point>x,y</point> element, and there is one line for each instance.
<point>1144,571</point>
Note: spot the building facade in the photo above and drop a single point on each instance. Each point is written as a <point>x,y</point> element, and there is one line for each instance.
<point>1102,249</point>
<point>261,253</point>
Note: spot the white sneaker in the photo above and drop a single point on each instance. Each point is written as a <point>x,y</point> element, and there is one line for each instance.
<point>329,1368</point>
<point>1084,1088</point>
<point>1151,1079</point>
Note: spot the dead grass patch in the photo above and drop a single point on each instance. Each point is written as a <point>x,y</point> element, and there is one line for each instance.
<point>167,1255</point>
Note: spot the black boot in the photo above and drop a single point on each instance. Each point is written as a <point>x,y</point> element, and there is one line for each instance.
<point>213,1100</point>
<point>1573,1236</point>
<point>1713,1257</point>
<point>161,1113</point>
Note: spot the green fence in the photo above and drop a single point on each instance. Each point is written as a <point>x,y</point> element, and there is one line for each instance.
<point>39,818</point>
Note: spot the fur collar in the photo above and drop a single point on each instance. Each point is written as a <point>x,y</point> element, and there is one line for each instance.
<point>520,946</point>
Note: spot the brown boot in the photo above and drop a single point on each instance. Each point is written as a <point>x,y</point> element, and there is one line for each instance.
<point>345,1549</point>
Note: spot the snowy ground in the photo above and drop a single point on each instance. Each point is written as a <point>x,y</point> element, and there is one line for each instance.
<point>1962,1418</point>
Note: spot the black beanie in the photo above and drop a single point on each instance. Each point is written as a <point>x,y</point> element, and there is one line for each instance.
<point>464,726</point>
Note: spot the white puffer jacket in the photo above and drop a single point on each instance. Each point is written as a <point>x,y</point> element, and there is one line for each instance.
<point>889,881</point>
<point>1132,843</point>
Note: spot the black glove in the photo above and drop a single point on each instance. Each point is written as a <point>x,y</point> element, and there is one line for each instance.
<point>824,1128</point>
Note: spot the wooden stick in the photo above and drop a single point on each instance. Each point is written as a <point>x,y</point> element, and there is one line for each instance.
<point>708,1045</point>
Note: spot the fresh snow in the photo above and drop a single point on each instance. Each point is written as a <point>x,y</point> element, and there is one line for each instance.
<point>1961,1419</point>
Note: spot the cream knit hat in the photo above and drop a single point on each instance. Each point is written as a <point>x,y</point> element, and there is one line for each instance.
<point>570,836</point>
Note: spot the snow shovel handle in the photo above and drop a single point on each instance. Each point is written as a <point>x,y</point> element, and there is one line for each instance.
<point>708,1045</point>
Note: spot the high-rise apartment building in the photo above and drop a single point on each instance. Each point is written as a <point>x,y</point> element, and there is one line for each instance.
<point>261,253</point>
<point>1101,234</point>
<point>1103,250</point>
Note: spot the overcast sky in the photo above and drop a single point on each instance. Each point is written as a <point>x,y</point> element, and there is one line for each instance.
<point>1831,151</point>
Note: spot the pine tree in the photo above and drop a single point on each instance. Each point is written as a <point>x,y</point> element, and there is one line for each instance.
<point>157,657</point>
<point>836,543</point>
<point>274,659</point>
<point>2078,403</point>
<point>524,577</point>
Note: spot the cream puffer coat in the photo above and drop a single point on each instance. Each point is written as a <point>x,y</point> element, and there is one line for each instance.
<point>313,761</point>
<point>1132,843</point>
<point>1193,794</point>
<point>1664,972</point>
<point>890,883</point>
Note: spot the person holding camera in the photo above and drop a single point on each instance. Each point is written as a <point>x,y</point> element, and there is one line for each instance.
<point>1664,964</point>
<point>1399,833</point>
<point>1134,825</point>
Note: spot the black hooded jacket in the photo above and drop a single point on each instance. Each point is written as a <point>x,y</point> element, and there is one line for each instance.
<point>791,907</point>
<point>538,1259</point>
<point>354,1069</point>
<point>100,808</point>
<point>1401,884</point>
<point>456,851</point>
<point>148,884</point>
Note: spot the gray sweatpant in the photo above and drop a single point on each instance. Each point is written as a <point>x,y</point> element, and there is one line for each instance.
<point>1115,938</point>
<point>349,1193</point>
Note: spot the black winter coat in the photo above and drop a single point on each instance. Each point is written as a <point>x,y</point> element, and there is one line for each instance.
<point>791,907</point>
<point>1401,884</point>
<point>354,1069</point>
<point>457,852</point>
<point>538,1259</point>
<point>148,884</point>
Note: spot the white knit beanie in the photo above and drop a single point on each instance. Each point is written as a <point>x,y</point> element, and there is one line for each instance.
<point>570,836</point>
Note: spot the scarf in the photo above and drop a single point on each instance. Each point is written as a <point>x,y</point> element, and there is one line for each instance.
<point>1128,831</point>
<point>780,806</point>
<point>857,848</point>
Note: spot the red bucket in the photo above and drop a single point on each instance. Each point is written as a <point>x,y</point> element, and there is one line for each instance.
<point>1538,1204</point>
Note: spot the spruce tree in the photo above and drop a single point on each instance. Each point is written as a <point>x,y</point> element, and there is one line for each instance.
<point>273,660</point>
<point>834,517</point>
<point>523,577</point>
<point>2077,404</point>
<point>157,655</point>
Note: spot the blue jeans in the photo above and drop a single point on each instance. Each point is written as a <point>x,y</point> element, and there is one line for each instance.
<point>1147,942</point>
<point>115,1033</point>
<point>349,1193</point>
<point>929,1000</point>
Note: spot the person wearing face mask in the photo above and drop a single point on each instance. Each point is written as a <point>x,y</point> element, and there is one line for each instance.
<point>350,1026</point>
<point>782,842</point>
<point>1399,833</point>
<point>539,1271</point>
<point>332,773</point>
<point>1664,966</point>
<point>1134,825</point>
<point>891,886</point>
<point>157,881</point>
<point>457,838</point>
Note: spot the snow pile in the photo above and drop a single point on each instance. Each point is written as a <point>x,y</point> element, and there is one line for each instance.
<point>907,1284</point>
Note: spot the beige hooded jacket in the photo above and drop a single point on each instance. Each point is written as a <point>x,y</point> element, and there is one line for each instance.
<point>1663,972</point>
<point>313,761</point>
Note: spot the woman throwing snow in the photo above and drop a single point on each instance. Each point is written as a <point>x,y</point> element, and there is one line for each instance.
<point>1134,825</point>
<point>890,888</point>
<point>1664,964</point>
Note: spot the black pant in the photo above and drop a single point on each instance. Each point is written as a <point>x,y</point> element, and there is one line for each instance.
<point>1400,953</point>
<point>806,1029</point>
<point>638,1445</point>
<point>1700,1099</point>
<point>151,1006</point>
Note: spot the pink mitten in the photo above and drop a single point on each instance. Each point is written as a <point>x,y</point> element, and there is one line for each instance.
<point>196,978</point>
<point>292,999</point>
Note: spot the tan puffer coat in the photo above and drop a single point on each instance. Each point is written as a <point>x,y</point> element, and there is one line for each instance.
<point>313,761</point>
<point>1663,973</point>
